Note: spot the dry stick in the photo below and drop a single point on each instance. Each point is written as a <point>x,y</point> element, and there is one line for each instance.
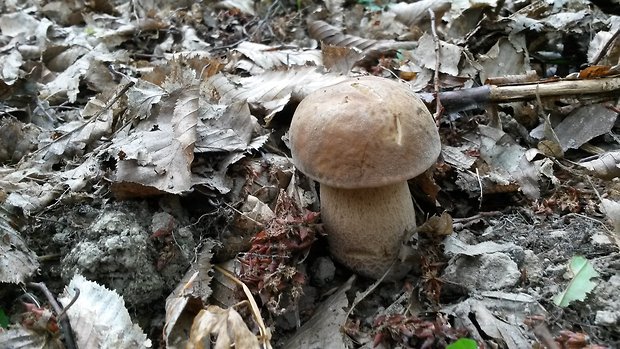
<point>478,97</point>
<point>436,76</point>
<point>60,312</point>
<point>94,117</point>
<point>605,48</point>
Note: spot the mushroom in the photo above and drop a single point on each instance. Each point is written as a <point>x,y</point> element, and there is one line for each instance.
<point>361,139</point>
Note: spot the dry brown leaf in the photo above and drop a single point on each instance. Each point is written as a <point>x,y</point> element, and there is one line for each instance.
<point>99,318</point>
<point>596,71</point>
<point>17,261</point>
<point>272,91</point>
<point>245,6</point>
<point>225,324</point>
<point>260,58</point>
<point>226,128</point>
<point>583,124</point>
<point>328,34</point>
<point>504,58</point>
<point>325,327</point>
<point>606,166</point>
<point>66,85</point>
<point>161,157</point>
<point>9,67</point>
<point>482,322</point>
<point>190,295</point>
<point>612,210</point>
<point>20,337</point>
<point>508,158</point>
<point>450,55</point>
<point>416,13</point>
<point>438,225</point>
<point>338,59</point>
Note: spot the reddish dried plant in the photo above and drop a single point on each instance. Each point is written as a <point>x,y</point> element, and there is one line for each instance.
<point>412,332</point>
<point>39,319</point>
<point>566,200</point>
<point>270,267</point>
<point>431,282</point>
<point>575,340</point>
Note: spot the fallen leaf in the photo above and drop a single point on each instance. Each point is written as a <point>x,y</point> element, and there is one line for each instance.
<point>454,246</point>
<point>595,71</point>
<point>612,210</point>
<point>580,285</point>
<point>463,343</point>
<point>324,329</point>
<point>17,261</point>
<point>161,157</point>
<point>416,13</point>
<point>190,295</point>
<point>583,124</point>
<point>500,151</point>
<point>606,166</point>
<point>450,55</point>
<point>483,322</point>
<point>261,58</point>
<point>99,318</point>
<point>224,324</point>
<point>438,225</point>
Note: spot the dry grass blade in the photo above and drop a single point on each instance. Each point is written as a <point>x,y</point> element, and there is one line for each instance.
<point>265,334</point>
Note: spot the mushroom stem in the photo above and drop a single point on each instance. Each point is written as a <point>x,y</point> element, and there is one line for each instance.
<point>366,227</point>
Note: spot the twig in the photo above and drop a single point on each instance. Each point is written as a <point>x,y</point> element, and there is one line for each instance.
<point>478,97</point>
<point>64,321</point>
<point>244,216</point>
<point>49,257</point>
<point>461,223</point>
<point>360,297</point>
<point>438,106</point>
<point>94,117</point>
<point>63,313</point>
<point>481,189</point>
<point>603,51</point>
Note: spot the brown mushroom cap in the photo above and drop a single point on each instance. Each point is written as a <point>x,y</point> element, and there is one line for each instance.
<point>364,132</point>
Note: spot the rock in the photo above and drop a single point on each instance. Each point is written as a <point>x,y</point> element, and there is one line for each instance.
<point>606,318</point>
<point>117,251</point>
<point>323,270</point>
<point>533,266</point>
<point>607,295</point>
<point>484,272</point>
<point>600,239</point>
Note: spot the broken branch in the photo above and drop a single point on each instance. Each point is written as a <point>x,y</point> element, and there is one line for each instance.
<point>478,97</point>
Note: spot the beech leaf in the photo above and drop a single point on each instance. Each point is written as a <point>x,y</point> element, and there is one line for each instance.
<point>580,284</point>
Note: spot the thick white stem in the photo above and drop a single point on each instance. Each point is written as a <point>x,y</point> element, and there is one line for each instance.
<point>366,227</point>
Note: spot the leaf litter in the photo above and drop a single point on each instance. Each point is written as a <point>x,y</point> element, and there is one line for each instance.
<point>145,142</point>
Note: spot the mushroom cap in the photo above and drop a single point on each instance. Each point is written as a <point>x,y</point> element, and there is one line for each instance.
<point>364,132</point>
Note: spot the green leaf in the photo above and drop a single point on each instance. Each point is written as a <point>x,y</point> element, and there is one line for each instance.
<point>4,320</point>
<point>463,343</point>
<point>580,285</point>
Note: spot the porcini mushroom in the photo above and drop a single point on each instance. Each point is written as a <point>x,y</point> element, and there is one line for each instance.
<point>361,140</point>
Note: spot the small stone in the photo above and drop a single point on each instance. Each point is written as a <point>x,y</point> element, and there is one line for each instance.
<point>606,318</point>
<point>532,266</point>
<point>485,272</point>
<point>600,239</point>
<point>323,270</point>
